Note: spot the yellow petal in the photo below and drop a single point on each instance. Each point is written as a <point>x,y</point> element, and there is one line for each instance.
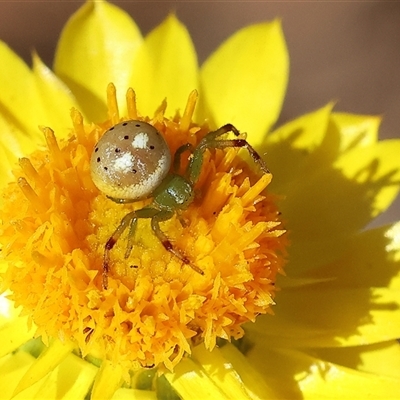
<point>107,381</point>
<point>332,381</point>
<point>18,96</point>
<point>372,258</point>
<point>70,380</point>
<point>380,358</point>
<point>12,368</point>
<point>14,144</point>
<point>188,375</point>
<point>356,130</point>
<point>289,147</point>
<point>134,394</point>
<point>221,372</point>
<point>323,317</point>
<point>326,208</point>
<point>14,334</point>
<point>376,171</point>
<point>56,98</point>
<point>45,363</point>
<point>166,68</point>
<point>298,375</point>
<point>254,382</point>
<point>244,81</point>
<point>98,45</point>
<point>276,371</point>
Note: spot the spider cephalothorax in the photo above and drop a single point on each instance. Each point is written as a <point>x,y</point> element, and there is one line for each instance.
<point>132,161</point>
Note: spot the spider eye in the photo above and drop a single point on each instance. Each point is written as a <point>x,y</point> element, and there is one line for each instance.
<point>130,160</point>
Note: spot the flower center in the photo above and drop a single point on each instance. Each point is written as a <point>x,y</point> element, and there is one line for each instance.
<point>56,223</point>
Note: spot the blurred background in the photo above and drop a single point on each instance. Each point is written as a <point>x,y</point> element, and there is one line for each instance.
<point>344,51</point>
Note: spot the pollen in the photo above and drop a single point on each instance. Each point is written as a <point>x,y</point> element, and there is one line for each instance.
<point>55,224</point>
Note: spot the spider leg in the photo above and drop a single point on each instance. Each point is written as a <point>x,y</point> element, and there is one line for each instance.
<point>129,245</point>
<point>219,132</point>
<point>130,220</point>
<point>178,154</point>
<point>211,141</point>
<point>165,215</point>
<point>222,144</point>
<point>121,201</point>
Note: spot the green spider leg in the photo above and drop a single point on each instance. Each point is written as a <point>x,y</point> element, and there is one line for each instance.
<point>211,141</point>
<point>178,154</point>
<point>165,215</point>
<point>130,221</point>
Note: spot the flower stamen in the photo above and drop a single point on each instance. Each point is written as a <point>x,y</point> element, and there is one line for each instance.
<point>77,122</point>
<point>30,171</point>
<point>131,104</point>
<point>112,104</point>
<point>31,195</point>
<point>52,144</point>
<point>187,116</point>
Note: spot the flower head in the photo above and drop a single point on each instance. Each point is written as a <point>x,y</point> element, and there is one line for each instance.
<point>153,308</point>
<point>336,315</point>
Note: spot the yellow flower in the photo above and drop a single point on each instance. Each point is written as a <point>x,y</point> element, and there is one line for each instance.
<point>337,314</point>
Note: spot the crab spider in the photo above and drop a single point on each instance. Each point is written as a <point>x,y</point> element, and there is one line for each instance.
<point>131,161</point>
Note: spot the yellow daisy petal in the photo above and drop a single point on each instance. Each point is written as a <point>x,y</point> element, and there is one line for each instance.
<point>295,142</point>
<point>255,385</point>
<point>165,68</point>
<point>12,368</point>
<point>371,259</point>
<point>295,374</point>
<point>333,381</point>
<point>375,173</point>
<point>245,80</point>
<point>98,45</point>
<point>221,372</point>
<point>71,379</point>
<point>356,130</point>
<point>328,380</point>
<point>370,316</point>
<point>107,381</point>
<point>329,198</point>
<point>134,394</point>
<point>14,143</point>
<point>380,359</point>
<point>56,97</point>
<point>47,361</point>
<point>188,375</point>
<point>14,334</point>
<point>18,92</point>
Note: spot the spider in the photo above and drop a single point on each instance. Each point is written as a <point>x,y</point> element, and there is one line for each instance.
<point>132,161</point>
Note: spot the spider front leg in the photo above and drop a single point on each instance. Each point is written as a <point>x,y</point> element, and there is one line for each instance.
<point>165,215</point>
<point>211,141</point>
<point>130,220</point>
<point>223,144</point>
<point>178,154</point>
